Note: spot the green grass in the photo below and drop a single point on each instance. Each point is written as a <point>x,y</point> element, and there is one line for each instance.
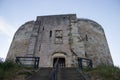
<point>10,70</point>
<point>104,72</point>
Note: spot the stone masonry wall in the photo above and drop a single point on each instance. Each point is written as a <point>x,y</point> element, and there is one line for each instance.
<point>96,46</point>
<point>47,45</point>
<point>63,36</point>
<point>19,46</point>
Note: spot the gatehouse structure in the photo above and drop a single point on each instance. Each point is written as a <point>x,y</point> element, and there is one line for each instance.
<point>64,37</point>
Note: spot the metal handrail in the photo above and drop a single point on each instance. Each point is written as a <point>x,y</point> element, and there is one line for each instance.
<point>35,61</point>
<point>81,67</point>
<point>82,73</point>
<point>81,60</point>
<point>54,72</point>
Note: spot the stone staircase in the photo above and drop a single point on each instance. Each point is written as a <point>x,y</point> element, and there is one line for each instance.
<point>70,74</point>
<point>64,74</point>
<point>42,74</point>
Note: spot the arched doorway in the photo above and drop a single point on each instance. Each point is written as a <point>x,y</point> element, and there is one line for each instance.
<point>60,58</point>
<point>60,61</point>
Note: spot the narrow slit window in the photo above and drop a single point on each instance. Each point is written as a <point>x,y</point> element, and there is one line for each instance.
<point>39,47</point>
<point>86,37</point>
<point>50,33</point>
<point>85,54</point>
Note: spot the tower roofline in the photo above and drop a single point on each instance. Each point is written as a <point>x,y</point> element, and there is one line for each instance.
<point>90,21</point>
<point>58,15</point>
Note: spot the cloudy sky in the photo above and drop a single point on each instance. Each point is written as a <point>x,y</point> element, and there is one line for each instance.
<point>14,13</point>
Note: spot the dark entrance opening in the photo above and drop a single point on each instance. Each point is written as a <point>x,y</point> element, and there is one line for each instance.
<point>60,61</point>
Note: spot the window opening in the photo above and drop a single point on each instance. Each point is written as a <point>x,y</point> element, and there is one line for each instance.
<point>58,36</point>
<point>85,54</point>
<point>86,37</point>
<point>50,33</point>
<point>63,17</point>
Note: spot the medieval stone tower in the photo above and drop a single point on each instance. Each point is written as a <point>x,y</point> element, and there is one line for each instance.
<point>61,36</point>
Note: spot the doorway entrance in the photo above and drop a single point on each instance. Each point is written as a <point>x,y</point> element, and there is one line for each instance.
<point>60,61</point>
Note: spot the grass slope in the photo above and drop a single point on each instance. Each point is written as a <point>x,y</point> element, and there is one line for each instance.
<point>104,72</point>
<point>12,71</point>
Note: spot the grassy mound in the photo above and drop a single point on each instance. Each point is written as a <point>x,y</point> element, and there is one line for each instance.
<point>11,71</point>
<point>104,72</point>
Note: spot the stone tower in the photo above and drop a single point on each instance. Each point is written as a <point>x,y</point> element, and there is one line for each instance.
<point>61,36</point>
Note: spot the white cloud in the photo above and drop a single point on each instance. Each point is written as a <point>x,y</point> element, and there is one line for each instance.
<point>6,34</point>
<point>6,28</point>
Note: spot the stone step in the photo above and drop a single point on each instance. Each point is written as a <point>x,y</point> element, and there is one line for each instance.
<point>42,74</point>
<point>70,74</point>
<point>63,74</point>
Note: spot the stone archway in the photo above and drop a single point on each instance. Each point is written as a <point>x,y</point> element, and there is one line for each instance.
<point>60,58</point>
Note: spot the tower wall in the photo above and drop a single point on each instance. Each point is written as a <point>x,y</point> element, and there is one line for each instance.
<point>61,36</point>
<point>48,44</point>
<point>96,46</point>
<point>20,42</point>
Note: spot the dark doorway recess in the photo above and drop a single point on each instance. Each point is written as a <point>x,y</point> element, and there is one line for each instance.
<point>59,61</point>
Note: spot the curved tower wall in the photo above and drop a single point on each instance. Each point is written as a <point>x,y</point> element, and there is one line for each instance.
<point>20,42</point>
<point>96,46</point>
